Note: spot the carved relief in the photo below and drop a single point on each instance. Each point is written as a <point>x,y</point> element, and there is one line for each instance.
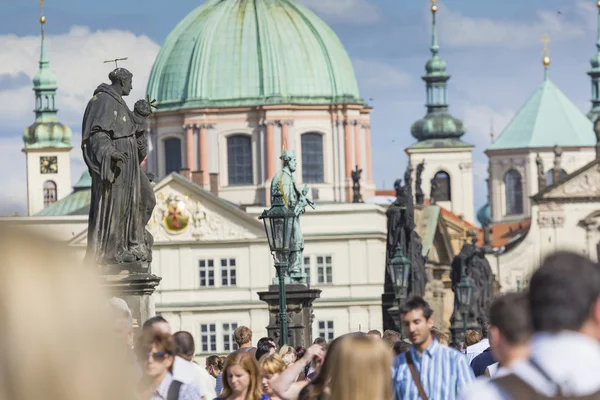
<point>465,165</point>
<point>551,220</point>
<point>551,206</point>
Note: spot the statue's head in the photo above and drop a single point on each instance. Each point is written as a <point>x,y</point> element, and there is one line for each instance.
<point>398,186</point>
<point>289,159</point>
<point>122,78</point>
<point>143,108</point>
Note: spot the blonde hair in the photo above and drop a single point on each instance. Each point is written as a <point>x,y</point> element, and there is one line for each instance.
<point>271,364</point>
<point>287,349</point>
<point>472,337</point>
<point>362,369</point>
<point>58,339</point>
<point>247,362</point>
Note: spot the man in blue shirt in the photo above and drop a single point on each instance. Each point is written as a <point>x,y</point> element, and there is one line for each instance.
<point>441,371</point>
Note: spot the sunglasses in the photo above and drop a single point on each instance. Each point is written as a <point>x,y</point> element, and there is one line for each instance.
<point>158,356</point>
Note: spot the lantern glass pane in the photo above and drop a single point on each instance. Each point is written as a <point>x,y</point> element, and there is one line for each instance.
<point>405,274</point>
<point>278,232</point>
<point>288,232</point>
<point>267,222</point>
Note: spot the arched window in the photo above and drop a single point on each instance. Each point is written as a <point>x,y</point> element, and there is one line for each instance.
<point>443,192</point>
<point>239,160</point>
<point>550,176</point>
<point>49,193</point>
<point>312,158</point>
<point>47,103</point>
<point>172,155</point>
<point>513,192</point>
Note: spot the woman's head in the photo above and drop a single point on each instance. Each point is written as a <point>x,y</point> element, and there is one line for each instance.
<point>472,337</point>
<point>43,287</point>
<point>264,346</point>
<point>288,354</point>
<point>270,367</point>
<point>214,365</point>
<point>156,352</point>
<point>362,369</point>
<point>241,375</point>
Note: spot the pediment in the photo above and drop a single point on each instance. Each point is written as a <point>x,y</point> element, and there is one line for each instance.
<point>185,212</point>
<point>582,184</point>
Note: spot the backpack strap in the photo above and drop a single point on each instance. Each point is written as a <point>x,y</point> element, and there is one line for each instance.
<point>515,388</point>
<point>415,376</point>
<point>173,393</point>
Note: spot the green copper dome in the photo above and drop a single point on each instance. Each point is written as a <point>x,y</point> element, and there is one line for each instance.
<point>251,52</point>
<point>438,124</point>
<point>47,134</point>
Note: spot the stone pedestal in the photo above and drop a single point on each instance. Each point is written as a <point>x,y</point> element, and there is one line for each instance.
<point>457,328</point>
<point>136,289</point>
<point>299,310</point>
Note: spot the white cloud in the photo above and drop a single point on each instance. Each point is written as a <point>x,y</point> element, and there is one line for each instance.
<point>346,11</point>
<point>76,57</point>
<point>480,118</point>
<point>372,74</point>
<point>461,31</point>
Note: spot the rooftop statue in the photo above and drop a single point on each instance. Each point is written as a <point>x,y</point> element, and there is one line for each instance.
<point>114,143</point>
<point>357,197</point>
<point>296,200</point>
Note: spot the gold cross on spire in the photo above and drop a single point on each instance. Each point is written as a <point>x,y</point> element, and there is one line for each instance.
<point>433,5</point>
<point>546,53</point>
<point>42,17</point>
<point>116,60</point>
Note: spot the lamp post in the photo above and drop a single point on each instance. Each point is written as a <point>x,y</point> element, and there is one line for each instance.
<point>400,274</point>
<point>465,290</point>
<point>279,226</point>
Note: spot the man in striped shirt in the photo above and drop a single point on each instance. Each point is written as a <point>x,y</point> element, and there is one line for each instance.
<point>442,371</point>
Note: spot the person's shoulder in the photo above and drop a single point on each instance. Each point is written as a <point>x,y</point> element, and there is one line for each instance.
<point>189,392</point>
<point>399,360</point>
<point>481,388</point>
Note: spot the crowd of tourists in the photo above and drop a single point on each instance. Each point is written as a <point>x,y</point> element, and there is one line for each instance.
<point>61,341</point>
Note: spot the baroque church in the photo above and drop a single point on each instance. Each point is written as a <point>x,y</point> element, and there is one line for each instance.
<point>231,100</point>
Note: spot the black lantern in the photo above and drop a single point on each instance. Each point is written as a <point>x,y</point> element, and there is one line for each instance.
<point>400,270</point>
<point>279,224</point>
<point>465,290</point>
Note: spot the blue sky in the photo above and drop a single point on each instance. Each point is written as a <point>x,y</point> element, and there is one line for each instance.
<point>493,50</point>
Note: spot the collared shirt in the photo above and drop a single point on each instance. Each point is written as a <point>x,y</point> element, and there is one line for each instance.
<point>571,359</point>
<point>443,371</point>
<point>219,384</point>
<point>476,349</point>
<point>184,371</point>
<point>186,392</point>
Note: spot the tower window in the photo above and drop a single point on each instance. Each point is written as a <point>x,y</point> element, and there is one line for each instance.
<point>172,155</point>
<point>443,192</point>
<point>49,193</point>
<point>239,160</point>
<point>312,158</point>
<point>513,191</point>
<point>550,176</point>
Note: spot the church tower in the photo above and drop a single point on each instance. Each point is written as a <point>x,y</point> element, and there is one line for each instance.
<point>594,73</point>
<point>448,160</point>
<point>46,143</point>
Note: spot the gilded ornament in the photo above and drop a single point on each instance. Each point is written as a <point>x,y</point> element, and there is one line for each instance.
<point>176,219</point>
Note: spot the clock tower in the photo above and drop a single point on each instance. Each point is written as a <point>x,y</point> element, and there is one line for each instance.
<point>47,142</point>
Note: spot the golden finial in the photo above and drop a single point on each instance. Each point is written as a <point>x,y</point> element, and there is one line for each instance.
<point>598,4</point>
<point>42,17</point>
<point>434,5</point>
<point>545,41</point>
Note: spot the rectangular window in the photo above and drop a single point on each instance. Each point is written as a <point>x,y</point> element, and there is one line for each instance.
<point>324,269</point>
<point>208,338</point>
<point>326,330</point>
<point>229,343</point>
<point>228,272</point>
<point>206,270</point>
<point>307,269</point>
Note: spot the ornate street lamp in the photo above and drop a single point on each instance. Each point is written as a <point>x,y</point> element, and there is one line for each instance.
<point>465,291</point>
<point>279,225</point>
<point>400,270</point>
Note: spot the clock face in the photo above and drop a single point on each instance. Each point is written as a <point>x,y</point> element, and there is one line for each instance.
<point>48,165</point>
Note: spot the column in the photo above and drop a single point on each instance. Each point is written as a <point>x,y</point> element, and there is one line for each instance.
<point>348,148</point>
<point>357,146</point>
<point>369,166</point>
<point>285,128</point>
<point>203,151</point>
<point>189,146</point>
<point>270,149</point>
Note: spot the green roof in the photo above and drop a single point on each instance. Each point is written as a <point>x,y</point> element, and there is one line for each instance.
<point>440,144</point>
<point>229,53</point>
<point>76,203</point>
<point>547,119</point>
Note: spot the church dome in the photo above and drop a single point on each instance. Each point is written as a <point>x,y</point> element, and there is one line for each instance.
<point>484,215</point>
<point>229,53</point>
<point>438,124</point>
<point>47,134</point>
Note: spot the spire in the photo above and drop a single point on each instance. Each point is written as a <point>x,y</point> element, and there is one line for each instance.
<point>594,73</point>
<point>437,124</point>
<point>546,58</point>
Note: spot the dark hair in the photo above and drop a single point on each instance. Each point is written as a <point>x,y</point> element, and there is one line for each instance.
<point>510,314</point>
<point>300,352</point>
<point>416,303</point>
<point>215,361</point>
<point>563,291</point>
<point>320,341</point>
<point>401,347</point>
<point>161,340</point>
<point>264,346</point>
<point>184,343</point>
<point>374,332</point>
<point>485,330</point>
<point>119,75</point>
<point>151,321</point>
<point>390,337</point>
